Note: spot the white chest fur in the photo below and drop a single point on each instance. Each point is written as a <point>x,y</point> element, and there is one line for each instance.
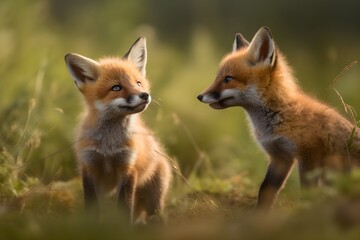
<point>110,138</point>
<point>263,122</point>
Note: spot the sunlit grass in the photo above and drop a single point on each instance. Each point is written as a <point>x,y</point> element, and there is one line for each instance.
<point>217,166</point>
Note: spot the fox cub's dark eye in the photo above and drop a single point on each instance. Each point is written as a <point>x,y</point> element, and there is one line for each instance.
<point>139,83</point>
<point>116,88</point>
<point>228,79</point>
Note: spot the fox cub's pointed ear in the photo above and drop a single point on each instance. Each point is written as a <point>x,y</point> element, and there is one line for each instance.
<point>262,47</point>
<point>81,69</point>
<point>239,42</point>
<point>138,54</point>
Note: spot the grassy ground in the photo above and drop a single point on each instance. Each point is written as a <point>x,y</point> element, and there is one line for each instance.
<point>217,165</point>
<point>211,209</point>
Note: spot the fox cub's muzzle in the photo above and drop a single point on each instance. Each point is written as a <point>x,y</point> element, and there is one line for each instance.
<point>136,103</point>
<point>209,97</point>
<point>145,96</point>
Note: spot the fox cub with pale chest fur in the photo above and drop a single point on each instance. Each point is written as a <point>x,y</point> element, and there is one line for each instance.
<point>116,152</point>
<point>287,123</point>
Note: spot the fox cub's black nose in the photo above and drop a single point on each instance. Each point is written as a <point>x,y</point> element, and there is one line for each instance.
<point>200,97</point>
<point>144,96</point>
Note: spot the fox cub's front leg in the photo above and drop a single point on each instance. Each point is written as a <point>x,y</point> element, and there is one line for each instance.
<point>126,194</point>
<point>277,173</point>
<point>90,196</point>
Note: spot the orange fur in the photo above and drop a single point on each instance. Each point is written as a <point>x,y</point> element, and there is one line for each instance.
<point>288,124</point>
<point>116,151</point>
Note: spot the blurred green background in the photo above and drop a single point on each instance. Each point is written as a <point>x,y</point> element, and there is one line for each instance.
<point>186,39</point>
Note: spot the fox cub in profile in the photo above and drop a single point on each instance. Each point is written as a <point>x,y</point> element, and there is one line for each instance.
<point>116,152</point>
<point>287,123</point>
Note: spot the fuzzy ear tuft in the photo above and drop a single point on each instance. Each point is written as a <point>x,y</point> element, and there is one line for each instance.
<point>262,47</point>
<point>239,42</point>
<point>138,54</point>
<point>81,69</point>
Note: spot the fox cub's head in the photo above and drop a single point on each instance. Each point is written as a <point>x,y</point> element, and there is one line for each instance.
<point>113,85</point>
<point>244,73</point>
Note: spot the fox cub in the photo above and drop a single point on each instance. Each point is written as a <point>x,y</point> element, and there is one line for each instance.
<point>116,152</point>
<point>287,123</point>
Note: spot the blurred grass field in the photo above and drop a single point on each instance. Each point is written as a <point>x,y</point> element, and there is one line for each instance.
<point>221,165</point>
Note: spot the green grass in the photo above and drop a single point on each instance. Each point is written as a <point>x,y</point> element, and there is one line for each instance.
<point>219,167</point>
<point>211,208</point>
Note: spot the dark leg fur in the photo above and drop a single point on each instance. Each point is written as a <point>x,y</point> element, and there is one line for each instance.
<point>275,177</point>
<point>150,199</point>
<point>90,197</point>
<point>153,193</point>
<point>126,195</point>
